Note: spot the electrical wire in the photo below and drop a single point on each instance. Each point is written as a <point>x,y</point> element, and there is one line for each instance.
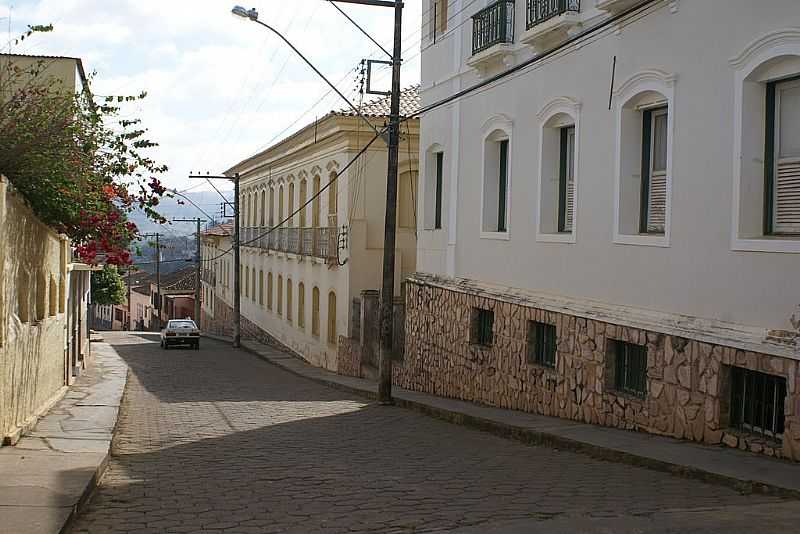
<point>309,201</point>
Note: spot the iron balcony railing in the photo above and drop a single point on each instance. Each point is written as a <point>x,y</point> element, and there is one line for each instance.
<point>317,242</point>
<point>493,25</point>
<point>208,276</point>
<point>539,11</point>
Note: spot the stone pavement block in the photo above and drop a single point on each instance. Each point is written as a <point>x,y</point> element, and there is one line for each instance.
<point>46,477</point>
<point>219,440</point>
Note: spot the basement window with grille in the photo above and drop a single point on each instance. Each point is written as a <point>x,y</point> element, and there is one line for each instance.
<point>481,327</point>
<point>542,344</point>
<point>757,402</point>
<point>629,367</point>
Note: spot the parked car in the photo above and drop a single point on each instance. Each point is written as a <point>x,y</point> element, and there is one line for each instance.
<point>180,332</point>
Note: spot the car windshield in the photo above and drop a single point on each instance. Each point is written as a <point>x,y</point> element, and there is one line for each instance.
<point>181,324</point>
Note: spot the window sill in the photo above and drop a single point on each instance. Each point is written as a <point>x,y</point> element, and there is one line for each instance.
<point>642,240</point>
<point>780,244</point>
<point>500,236</point>
<point>556,238</point>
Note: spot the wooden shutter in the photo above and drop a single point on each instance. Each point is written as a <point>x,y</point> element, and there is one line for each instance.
<point>786,205</point>
<point>657,189</point>
<point>787,197</point>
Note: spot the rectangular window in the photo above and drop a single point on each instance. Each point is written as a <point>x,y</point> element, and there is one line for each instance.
<point>757,402</point>
<point>654,171</point>
<point>630,367</point>
<point>481,325</point>
<point>566,180</point>
<point>502,187</point>
<point>782,158</point>
<point>437,224</point>
<point>438,18</point>
<point>542,343</point>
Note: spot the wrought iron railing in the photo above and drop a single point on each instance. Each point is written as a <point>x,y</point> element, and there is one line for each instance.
<point>307,241</point>
<point>538,11</point>
<point>208,276</point>
<point>493,25</point>
<point>294,240</point>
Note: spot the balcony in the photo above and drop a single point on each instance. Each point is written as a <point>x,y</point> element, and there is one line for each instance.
<point>492,35</point>
<point>209,277</point>
<point>547,21</point>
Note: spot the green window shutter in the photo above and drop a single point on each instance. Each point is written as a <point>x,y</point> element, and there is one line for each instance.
<point>439,183</point>
<point>783,145</point>
<point>502,187</point>
<point>566,180</point>
<point>644,200</point>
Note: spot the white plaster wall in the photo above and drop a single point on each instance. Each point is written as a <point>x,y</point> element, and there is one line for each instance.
<point>698,274</point>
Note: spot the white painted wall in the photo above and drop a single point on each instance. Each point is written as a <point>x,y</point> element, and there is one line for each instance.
<point>698,269</point>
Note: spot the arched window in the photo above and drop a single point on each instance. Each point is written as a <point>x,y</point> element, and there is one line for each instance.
<point>301,305</point>
<point>289,299</point>
<point>263,210</point>
<point>496,177</point>
<point>269,291</point>
<point>291,205</point>
<point>280,295</point>
<point>261,287</point>
<point>247,281</point>
<point>280,205</point>
<point>315,312</point>
<point>558,170</point>
<point>315,204</point>
<point>333,197</point>
<point>271,206</point>
<point>332,337</point>
<point>303,200</point>
<point>253,294</point>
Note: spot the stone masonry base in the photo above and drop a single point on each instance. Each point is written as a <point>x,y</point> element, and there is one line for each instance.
<point>687,384</point>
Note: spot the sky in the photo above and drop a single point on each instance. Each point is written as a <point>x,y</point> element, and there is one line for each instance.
<point>220,88</point>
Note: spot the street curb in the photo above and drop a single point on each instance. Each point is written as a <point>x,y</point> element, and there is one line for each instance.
<point>97,477</point>
<point>539,438</point>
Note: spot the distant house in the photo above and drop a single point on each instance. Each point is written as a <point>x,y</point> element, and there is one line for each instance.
<point>176,298</point>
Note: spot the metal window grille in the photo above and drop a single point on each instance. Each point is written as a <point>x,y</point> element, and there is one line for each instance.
<point>539,11</point>
<point>757,402</point>
<point>482,326</point>
<point>493,25</point>
<point>542,343</point>
<point>630,368</point>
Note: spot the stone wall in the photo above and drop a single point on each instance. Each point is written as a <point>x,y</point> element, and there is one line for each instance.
<point>687,380</point>
<point>33,319</point>
<point>348,357</point>
<point>221,324</point>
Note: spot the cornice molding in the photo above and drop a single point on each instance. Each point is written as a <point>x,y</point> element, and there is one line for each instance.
<point>780,38</point>
<point>560,104</point>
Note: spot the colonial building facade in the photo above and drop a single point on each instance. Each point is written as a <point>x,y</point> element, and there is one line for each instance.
<point>611,232</point>
<point>312,232</point>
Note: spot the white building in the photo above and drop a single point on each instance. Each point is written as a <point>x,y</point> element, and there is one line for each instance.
<point>299,280</point>
<point>629,191</point>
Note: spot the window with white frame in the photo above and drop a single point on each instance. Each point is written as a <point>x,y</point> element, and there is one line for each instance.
<point>766,156</point>
<point>496,180</point>
<point>434,189</point>
<point>782,158</point>
<point>557,176</point>
<point>644,144</point>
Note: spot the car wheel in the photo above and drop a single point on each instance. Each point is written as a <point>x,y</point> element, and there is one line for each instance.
<point>197,345</point>
<point>166,346</point>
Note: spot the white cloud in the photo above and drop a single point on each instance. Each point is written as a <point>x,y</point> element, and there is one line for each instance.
<point>219,87</point>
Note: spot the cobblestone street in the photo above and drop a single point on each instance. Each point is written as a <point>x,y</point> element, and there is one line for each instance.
<point>220,441</point>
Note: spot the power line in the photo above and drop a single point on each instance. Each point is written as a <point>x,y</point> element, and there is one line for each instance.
<point>302,207</point>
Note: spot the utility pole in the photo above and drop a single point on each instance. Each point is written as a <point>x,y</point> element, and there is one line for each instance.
<point>237,297</point>
<point>130,311</point>
<point>199,266</point>
<point>390,221</point>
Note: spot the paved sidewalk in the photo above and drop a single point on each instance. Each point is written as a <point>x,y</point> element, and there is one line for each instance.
<point>741,470</point>
<point>51,471</point>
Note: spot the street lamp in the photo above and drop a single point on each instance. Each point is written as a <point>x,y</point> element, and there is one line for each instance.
<point>240,11</point>
<point>252,14</point>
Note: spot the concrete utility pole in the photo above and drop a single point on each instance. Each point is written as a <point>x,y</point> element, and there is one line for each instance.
<point>130,311</point>
<point>237,297</point>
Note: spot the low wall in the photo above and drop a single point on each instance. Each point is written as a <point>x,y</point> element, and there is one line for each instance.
<point>688,382</point>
